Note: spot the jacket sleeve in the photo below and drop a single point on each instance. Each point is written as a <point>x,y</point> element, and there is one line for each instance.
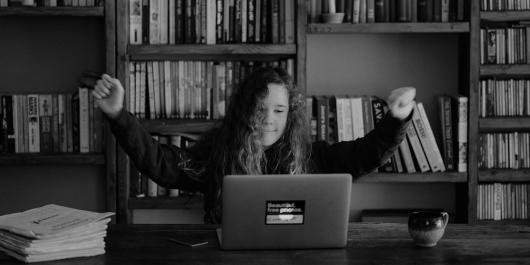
<point>167,165</point>
<point>364,154</point>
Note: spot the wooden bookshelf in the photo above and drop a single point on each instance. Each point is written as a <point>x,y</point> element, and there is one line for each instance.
<point>344,28</point>
<point>429,177</point>
<point>190,52</point>
<point>52,159</point>
<point>505,70</point>
<point>211,52</point>
<point>504,16</point>
<point>504,124</point>
<point>181,202</point>
<point>53,11</point>
<point>104,56</point>
<point>177,126</point>
<point>504,175</point>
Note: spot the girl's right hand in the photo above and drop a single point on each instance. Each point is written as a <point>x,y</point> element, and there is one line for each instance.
<point>109,94</point>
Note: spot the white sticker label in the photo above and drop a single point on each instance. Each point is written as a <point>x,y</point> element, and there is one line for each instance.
<point>284,212</point>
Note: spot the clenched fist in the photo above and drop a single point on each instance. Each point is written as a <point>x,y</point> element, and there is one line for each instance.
<point>109,94</point>
<point>401,102</point>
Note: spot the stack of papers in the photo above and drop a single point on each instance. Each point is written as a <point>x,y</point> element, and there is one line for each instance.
<point>53,232</point>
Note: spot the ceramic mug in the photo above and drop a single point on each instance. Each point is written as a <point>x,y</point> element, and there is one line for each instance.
<point>427,227</point>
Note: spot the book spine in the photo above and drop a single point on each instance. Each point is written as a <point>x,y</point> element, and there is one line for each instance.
<point>55,124</point>
<point>447,132</point>
<point>430,135</point>
<point>417,149</point>
<point>45,123</point>
<point>407,156</point>
<point>421,131</point>
<point>154,17</point>
<point>135,21</point>
<point>462,133</point>
<point>84,120</point>
<point>33,122</point>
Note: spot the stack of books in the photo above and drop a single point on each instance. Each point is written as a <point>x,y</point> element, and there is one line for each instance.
<point>53,232</point>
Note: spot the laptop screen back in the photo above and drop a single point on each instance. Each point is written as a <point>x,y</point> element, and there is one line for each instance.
<point>285,211</point>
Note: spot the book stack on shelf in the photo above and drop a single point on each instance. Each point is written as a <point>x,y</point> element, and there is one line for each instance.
<point>504,111</point>
<point>187,89</point>
<point>336,119</point>
<point>211,21</point>
<point>50,123</point>
<point>377,11</point>
<point>51,3</point>
<point>502,201</point>
<point>53,232</point>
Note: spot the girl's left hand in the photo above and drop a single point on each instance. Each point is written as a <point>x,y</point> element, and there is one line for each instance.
<point>401,102</point>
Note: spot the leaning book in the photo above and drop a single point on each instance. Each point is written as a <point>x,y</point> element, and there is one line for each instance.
<point>53,232</point>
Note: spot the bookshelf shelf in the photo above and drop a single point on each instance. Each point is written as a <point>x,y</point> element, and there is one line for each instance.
<point>453,27</point>
<point>182,202</point>
<point>504,175</point>
<point>212,52</point>
<point>504,123</point>
<point>504,16</point>
<point>439,177</point>
<point>56,159</point>
<point>53,11</point>
<point>505,70</point>
<point>177,126</point>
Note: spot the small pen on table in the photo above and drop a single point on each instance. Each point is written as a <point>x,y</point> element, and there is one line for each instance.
<point>191,245</point>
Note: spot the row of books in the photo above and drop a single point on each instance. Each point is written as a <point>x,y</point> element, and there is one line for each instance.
<point>453,111</point>
<point>211,21</point>
<point>372,11</point>
<point>49,123</point>
<point>142,186</point>
<point>504,150</point>
<point>336,119</point>
<point>51,3</point>
<point>501,98</point>
<point>505,45</point>
<point>504,5</point>
<point>187,89</point>
<point>502,201</point>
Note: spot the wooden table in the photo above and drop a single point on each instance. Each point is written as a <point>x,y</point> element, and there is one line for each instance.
<point>368,243</point>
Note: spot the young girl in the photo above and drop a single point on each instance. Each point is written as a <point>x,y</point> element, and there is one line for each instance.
<point>265,131</point>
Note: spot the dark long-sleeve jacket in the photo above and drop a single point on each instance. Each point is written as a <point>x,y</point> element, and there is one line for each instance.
<point>173,167</point>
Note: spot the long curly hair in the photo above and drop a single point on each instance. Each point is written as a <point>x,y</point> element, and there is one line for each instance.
<point>236,147</point>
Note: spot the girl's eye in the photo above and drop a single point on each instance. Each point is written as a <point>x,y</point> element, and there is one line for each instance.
<point>278,111</point>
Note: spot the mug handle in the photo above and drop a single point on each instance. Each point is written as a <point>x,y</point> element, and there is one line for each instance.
<point>445,218</point>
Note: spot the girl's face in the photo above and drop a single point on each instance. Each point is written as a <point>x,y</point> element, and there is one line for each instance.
<point>275,111</point>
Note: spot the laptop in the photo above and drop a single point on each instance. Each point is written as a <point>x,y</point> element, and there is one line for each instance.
<point>285,211</point>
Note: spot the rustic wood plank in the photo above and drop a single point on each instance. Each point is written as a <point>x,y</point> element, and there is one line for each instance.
<point>164,126</point>
<point>122,171</point>
<point>453,27</point>
<point>110,141</point>
<point>368,243</point>
<point>473,131</point>
<point>301,46</point>
<point>504,175</point>
<point>52,158</point>
<point>439,177</point>
<point>504,123</point>
<point>505,70</point>
<point>212,52</point>
<point>504,16</point>
<point>53,11</point>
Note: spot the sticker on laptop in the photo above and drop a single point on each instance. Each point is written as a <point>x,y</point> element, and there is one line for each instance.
<point>284,212</point>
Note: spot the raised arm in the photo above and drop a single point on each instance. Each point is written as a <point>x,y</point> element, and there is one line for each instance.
<point>365,154</point>
<point>167,165</point>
